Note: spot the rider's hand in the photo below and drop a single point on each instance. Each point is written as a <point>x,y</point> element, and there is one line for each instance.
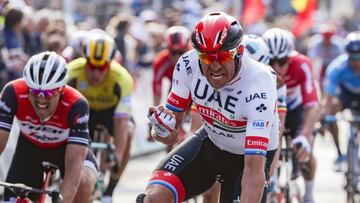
<point>163,122</point>
<point>149,136</point>
<point>303,148</point>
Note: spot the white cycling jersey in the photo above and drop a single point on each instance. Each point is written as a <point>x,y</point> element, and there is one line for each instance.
<point>241,117</point>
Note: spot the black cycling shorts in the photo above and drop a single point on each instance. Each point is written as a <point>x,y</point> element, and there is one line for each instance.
<point>26,166</point>
<point>294,121</point>
<point>193,167</point>
<point>103,122</point>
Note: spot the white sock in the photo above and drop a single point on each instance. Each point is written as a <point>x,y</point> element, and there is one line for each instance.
<point>309,185</point>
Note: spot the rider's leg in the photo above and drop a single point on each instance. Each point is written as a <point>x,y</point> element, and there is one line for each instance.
<point>309,175</point>
<point>333,127</point>
<point>212,195</point>
<point>114,174</point>
<point>185,172</point>
<point>87,183</point>
<point>126,156</point>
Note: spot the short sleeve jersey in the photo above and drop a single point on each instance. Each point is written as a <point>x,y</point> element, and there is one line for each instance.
<point>113,95</point>
<point>300,82</point>
<point>68,124</point>
<point>339,73</point>
<point>240,117</point>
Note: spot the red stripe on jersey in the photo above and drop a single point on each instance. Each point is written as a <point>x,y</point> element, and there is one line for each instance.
<point>172,179</point>
<point>178,102</point>
<point>256,142</point>
<point>208,114</point>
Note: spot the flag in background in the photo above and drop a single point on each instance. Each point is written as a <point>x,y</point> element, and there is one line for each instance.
<point>305,15</point>
<point>253,11</point>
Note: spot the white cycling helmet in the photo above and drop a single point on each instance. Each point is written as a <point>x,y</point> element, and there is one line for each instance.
<point>256,47</point>
<point>279,41</point>
<point>45,71</point>
<point>77,40</point>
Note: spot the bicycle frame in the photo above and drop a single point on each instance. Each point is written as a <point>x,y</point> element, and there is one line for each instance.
<point>288,185</point>
<point>22,191</point>
<point>98,148</point>
<point>353,167</point>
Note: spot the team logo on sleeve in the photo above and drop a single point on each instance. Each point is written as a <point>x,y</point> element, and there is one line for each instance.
<point>256,145</point>
<point>82,119</point>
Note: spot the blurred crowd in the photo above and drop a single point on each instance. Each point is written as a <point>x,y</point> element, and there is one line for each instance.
<point>28,27</point>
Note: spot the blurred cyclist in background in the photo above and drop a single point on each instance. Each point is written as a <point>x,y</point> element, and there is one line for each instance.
<point>75,49</point>
<point>258,50</point>
<point>302,102</point>
<point>177,42</point>
<point>108,88</point>
<point>342,84</point>
<point>325,47</point>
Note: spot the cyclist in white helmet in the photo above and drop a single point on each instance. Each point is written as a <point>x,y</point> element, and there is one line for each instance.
<point>302,101</point>
<point>76,45</point>
<point>53,122</point>
<point>258,50</point>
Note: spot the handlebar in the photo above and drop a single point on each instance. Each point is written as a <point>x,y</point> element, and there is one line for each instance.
<point>110,148</point>
<point>23,191</point>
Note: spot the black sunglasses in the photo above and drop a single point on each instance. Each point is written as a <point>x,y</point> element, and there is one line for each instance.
<point>280,62</point>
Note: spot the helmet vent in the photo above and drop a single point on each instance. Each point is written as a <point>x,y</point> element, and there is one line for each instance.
<point>250,49</point>
<point>202,39</point>
<point>215,14</point>
<point>218,37</point>
<point>52,73</point>
<point>32,72</point>
<point>62,76</point>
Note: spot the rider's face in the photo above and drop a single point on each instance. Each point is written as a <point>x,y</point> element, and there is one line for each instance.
<point>45,102</point>
<point>96,75</point>
<point>281,66</point>
<point>217,74</point>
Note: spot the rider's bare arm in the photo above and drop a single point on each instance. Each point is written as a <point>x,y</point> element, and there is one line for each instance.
<point>253,179</point>
<point>4,135</point>
<point>8,106</point>
<point>74,161</point>
<point>311,116</point>
<point>120,136</point>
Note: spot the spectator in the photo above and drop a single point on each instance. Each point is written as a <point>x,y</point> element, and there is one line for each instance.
<point>17,57</point>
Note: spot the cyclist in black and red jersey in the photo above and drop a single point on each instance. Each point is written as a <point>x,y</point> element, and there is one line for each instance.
<point>53,121</point>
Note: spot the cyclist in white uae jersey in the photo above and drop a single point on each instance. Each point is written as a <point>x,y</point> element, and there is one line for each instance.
<point>236,97</point>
